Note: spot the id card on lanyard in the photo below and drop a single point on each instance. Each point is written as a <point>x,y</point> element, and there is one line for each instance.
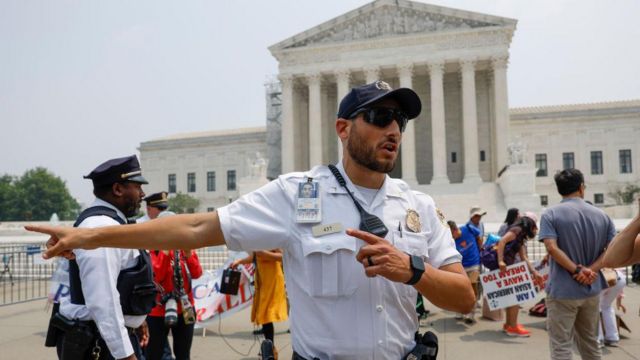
<point>308,206</point>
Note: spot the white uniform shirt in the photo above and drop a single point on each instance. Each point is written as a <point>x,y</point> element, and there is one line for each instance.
<point>336,311</point>
<point>99,269</point>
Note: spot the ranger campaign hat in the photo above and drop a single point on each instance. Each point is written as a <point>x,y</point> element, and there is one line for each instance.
<point>117,170</point>
<point>158,200</point>
<point>362,96</point>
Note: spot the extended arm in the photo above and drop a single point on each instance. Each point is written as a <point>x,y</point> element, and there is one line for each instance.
<point>189,231</point>
<point>625,246</point>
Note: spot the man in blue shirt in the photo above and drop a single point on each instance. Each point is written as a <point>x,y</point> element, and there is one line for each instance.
<point>468,242</point>
<point>575,235</point>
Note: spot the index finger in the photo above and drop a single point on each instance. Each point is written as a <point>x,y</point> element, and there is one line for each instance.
<point>364,236</point>
<point>43,229</point>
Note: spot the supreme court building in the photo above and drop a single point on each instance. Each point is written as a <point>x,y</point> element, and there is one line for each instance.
<point>466,147</point>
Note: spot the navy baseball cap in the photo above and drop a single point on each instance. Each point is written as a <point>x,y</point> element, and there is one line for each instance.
<point>362,96</point>
<point>117,170</point>
<point>158,200</point>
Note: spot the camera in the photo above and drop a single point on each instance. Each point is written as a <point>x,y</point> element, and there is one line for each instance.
<point>188,313</point>
<point>171,312</point>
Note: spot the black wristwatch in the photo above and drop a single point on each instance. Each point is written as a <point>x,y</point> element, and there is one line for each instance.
<point>417,267</point>
<point>577,270</point>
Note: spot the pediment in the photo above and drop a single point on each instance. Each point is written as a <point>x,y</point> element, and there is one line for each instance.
<point>383,18</point>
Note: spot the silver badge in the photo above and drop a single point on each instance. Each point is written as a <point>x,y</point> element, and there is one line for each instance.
<point>383,85</point>
<point>413,221</point>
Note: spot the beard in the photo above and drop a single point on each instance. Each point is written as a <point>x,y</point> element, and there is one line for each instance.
<point>131,207</point>
<point>365,155</point>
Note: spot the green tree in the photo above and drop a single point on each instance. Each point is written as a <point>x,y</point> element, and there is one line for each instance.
<point>6,196</point>
<point>36,195</point>
<point>625,195</point>
<point>183,203</point>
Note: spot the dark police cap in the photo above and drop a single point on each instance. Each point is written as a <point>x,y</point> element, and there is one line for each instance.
<point>158,200</point>
<point>117,170</point>
<point>361,97</point>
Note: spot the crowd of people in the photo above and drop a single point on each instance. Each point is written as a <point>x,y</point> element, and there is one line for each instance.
<point>354,272</point>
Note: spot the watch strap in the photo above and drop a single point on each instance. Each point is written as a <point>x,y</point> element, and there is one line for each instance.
<point>416,273</point>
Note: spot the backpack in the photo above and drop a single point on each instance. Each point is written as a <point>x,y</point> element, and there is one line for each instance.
<point>539,309</point>
<point>489,254</point>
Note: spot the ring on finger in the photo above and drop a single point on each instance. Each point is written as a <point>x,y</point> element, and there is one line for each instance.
<point>369,261</point>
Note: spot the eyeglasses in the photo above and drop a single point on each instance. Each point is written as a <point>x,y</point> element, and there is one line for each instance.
<point>382,117</point>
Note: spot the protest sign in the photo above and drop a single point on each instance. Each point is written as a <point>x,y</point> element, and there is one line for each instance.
<point>511,287</point>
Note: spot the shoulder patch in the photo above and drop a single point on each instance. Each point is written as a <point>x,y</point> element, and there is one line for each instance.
<point>443,220</point>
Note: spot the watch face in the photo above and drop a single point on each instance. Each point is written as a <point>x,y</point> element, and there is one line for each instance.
<point>417,263</point>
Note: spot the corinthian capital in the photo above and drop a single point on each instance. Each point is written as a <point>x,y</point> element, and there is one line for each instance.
<point>286,79</point>
<point>436,67</point>
<point>500,62</point>
<point>314,78</point>
<point>405,70</point>
<point>342,75</point>
<point>468,64</point>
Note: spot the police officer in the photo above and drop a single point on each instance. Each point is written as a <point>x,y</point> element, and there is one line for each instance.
<point>156,203</point>
<point>352,292</point>
<point>102,306</point>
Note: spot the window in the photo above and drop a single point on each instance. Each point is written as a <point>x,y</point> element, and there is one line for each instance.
<point>454,157</point>
<point>596,163</point>
<point>625,162</point>
<point>541,165</point>
<point>598,198</point>
<point>231,180</point>
<point>191,210</point>
<point>211,181</point>
<point>172,183</point>
<point>191,182</point>
<point>544,200</point>
<point>568,161</point>
<point>211,209</point>
<point>482,155</point>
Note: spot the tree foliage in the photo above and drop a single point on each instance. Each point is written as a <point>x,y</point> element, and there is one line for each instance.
<point>36,195</point>
<point>183,203</point>
<point>625,194</point>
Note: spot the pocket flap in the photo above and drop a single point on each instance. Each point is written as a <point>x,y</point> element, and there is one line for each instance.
<point>412,243</point>
<point>328,244</point>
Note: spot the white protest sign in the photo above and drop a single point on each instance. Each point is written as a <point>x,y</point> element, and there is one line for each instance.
<point>543,270</point>
<point>509,288</point>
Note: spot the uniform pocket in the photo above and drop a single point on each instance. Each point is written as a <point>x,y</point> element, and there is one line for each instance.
<point>412,243</point>
<point>330,265</point>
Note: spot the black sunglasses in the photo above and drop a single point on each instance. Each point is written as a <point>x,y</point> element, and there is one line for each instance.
<point>382,117</point>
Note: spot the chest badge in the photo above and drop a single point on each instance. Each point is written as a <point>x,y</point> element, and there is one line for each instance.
<point>413,221</point>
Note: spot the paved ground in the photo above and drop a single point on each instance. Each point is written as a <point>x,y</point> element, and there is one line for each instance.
<point>22,330</point>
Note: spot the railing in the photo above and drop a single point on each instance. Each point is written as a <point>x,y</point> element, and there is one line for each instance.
<point>24,276</point>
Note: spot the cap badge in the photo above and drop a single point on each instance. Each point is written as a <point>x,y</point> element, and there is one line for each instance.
<point>381,85</point>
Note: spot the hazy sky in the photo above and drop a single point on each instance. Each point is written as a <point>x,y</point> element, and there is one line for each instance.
<point>84,81</point>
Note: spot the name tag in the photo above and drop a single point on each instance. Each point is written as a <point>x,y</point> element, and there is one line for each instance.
<point>326,229</point>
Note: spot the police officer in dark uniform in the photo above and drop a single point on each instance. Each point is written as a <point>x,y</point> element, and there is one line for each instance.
<point>111,289</point>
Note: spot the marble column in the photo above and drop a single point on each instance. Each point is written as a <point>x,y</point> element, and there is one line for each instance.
<point>470,122</point>
<point>315,119</point>
<point>287,128</point>
<point>342,79</point>
<point>405,75</point>
<point>371,74</point>
<point>501,106</point>
<point>438,130</point>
